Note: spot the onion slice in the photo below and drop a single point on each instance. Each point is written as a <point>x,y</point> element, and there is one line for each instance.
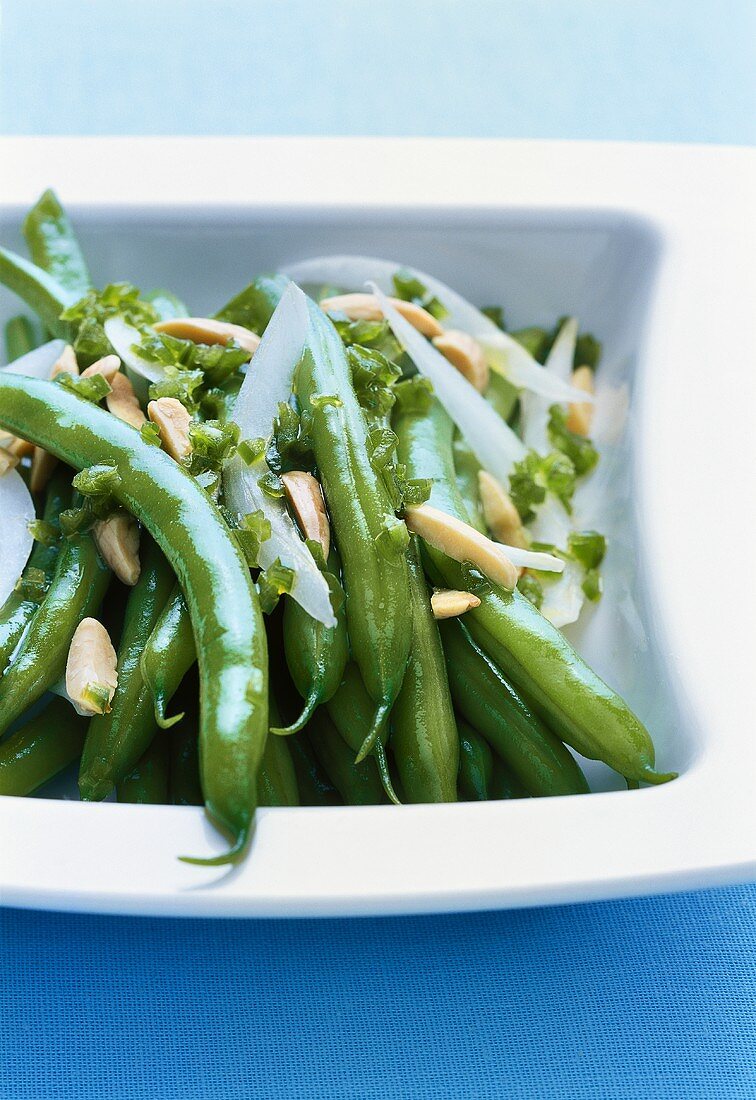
<point>503,353</point>
<point>123,336</point>
<point>39,362</point>
<point>492,441</point>
<point>532,559</point>
<point>16,513</point>
<point>268,382</point>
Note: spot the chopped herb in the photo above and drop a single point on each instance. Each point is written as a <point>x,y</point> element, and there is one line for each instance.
<point>535,475</point>
<point>495,314</point>
<point>531,588</point>
<point>410,289</point>
<point>578,449</point>
<point>93,389</point>
<point>274,582</point>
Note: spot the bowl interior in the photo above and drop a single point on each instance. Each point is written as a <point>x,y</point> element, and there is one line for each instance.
<point>538,266</point>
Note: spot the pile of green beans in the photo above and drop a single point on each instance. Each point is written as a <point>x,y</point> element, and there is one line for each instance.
<point>389,705</point>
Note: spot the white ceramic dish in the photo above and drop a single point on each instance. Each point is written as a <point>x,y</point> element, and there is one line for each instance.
<point>653,248</point>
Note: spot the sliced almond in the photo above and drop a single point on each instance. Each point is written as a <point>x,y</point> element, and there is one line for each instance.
<point>502,518</point>
<point>580,414</point>
<point>16,446</point>
<point>107,367</point>
<point>204,330</point>
<point>66,363</point>
<point>91,676</point>
<point>7,461</point>
<point>117,539</point>
<point>461,542</point>
<point>43,464</point>
<point>306,499</point>
<point>123,402</point>
<point>466,354</point>
<point>172,421</point>
<point>366,307</point>
<point>449,603</point>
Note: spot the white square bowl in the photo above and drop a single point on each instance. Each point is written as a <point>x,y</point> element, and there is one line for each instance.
<point>652,247</point>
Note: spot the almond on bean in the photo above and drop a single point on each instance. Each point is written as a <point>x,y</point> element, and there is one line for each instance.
<point>172,422</point>
<point>66,363</point>
<point>7,461</point>
<point>502,518</point>
<point>205,330</point>
<point>461,542</point>
<point>123,402</point>
<point>366,307</point>
<point>117,539</point>
<point>43,464</point>
<point>306,499</point>
<point>466,354</point>
<point>108,366</point>
<point>580,414</point>
<point>16,446</point>
<point>91,676</point>
<point>448,603</point>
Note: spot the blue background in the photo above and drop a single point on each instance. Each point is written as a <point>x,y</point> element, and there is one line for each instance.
<point>643,998</point>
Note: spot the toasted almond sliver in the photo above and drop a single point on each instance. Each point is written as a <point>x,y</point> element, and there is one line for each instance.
<point>16,446</point>
<point>117,539</point>
<point>91,676</point>
<point>466,354</point>
<point>306,499</point>
<point>448,603</point>
<point>366,307</point>
<point>123,402</point>
<point>107,367</point>
<point>204,330</point>
<point>43,464</point>
<point>502,518</point>
<point>66,363</point>
<point>7,461</point>
<point>461,542</point>
<point>580,414</point>
<point>172,422</point>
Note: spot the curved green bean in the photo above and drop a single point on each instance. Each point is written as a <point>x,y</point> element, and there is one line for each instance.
<point>169,652</point>
<point>41,748</point>
<point>40,291</point>
<point>351,711</point>
<point>358,784</point>
<point>76,591</point>
<point>424,737</point>
<point>225,610</point>
<point>147,783</point>
<point>476,765</point>
<point>20,337</point>
<point>316,655</point>
<point>116,740</point>
<point>53,246</point>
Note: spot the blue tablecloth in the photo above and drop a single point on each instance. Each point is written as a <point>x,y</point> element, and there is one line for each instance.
<point>649,998</point>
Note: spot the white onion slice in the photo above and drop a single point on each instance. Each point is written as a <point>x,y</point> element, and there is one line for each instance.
<point>532,559</point>
<point>492,441</point>
<point>267,383</point>
<point>503,353</point>
<point>39,362</point>
<point>535,407</point>
<point>140,371</point>
<point>16,513</point>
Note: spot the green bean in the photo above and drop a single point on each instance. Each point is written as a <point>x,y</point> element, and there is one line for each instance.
<point>225,609</point>
<point>20,607</point>
<point>358,784</point>
<point>476,765</point>
<point>316,655</point>
<point>53,245</point>
<point>169,653</point>
<point>314,786</point>
<point>276,780</point>
<point>351,711</point>
<point>76,591</point>
<point>467,468</point>
<point>40,291</point>
<point>536,657</point>
<point>116,740</point>
<point>20,337</point>
<point>42,747</point>
<point>504,784</point>
<point>486,699</point>
<point>147,783</point>
<point>185,786</point>
<point>371,540</point>
<point>424,737</point>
